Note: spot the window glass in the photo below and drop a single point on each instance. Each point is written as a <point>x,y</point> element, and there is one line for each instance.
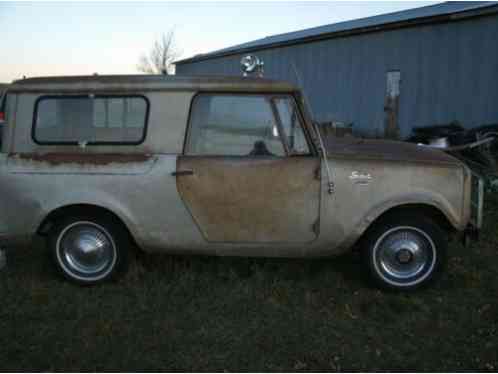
<point>93,119</point>
<point>292,125</point>
<point>116,112</point>
<point>233,125</point>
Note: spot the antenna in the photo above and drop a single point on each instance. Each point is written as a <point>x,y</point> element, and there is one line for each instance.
<point>300,83</point>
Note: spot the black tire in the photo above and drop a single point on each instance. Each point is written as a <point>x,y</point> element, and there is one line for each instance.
<point>102,242</point>
<point>404,253</point>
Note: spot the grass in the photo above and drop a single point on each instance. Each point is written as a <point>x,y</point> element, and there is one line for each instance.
<point>236,314</point>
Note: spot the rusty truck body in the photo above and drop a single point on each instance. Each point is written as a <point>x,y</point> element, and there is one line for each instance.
<point>218,166</point>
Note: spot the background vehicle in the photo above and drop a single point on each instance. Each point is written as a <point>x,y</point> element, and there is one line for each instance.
<point>223,166</point>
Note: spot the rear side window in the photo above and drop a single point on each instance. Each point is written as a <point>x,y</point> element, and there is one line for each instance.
<point>90,119</point>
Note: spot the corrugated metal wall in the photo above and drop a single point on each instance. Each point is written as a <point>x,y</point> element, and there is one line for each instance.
<point>448,72</point>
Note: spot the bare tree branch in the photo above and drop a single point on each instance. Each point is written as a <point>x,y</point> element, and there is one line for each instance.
<point>161,57</point>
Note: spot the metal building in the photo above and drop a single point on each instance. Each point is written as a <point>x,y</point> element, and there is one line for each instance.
<point>384,74</point>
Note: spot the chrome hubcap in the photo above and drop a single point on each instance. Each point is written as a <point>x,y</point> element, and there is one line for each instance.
<point>404,255</point>
<point>86,250</point>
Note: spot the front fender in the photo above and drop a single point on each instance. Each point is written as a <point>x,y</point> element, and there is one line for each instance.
<point>432,199</point>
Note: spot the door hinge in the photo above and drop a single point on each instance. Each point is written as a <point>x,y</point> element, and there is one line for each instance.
<point>331,188</point>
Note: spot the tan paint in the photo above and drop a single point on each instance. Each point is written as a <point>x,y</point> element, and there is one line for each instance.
<point>230,206</point>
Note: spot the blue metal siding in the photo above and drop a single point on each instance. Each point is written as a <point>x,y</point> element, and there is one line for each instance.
<point>448,72</point>
<point>450,8</point>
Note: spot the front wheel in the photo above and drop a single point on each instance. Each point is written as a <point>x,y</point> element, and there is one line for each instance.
<point>88,250</point>
<point>405,253</point>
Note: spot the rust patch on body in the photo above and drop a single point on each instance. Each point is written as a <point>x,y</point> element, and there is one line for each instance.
<point>381,150</point>
<point>82,159</point>
<point>252,199</point>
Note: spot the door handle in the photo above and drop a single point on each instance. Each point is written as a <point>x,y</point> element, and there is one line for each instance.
<point>179,173</point>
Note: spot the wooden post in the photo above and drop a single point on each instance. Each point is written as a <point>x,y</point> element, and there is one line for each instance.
<point>391,127</point>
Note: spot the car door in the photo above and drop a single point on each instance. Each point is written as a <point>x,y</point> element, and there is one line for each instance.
<point>248,173</point>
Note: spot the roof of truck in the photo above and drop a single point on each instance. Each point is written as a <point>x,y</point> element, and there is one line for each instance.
<point>148,83</point>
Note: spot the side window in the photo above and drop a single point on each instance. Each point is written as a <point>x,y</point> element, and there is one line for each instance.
<point>92,119</point>
<point>292,125</point>
<point>233,125</point>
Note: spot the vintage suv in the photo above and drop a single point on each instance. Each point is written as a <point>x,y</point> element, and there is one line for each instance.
<point>221,166</point>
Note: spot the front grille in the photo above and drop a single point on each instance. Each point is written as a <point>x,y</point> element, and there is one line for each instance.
<point>476,200</point>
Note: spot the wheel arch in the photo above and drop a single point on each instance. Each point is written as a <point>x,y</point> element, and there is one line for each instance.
<point>428,210</point>
<point>78,209</point>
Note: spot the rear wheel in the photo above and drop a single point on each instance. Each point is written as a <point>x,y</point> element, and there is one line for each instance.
<point>405,253</point>
<point>89,250</point>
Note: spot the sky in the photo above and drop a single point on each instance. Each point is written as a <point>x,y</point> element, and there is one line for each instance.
<point>44,38</point>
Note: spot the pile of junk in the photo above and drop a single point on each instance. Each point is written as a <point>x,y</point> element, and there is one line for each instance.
<point>477,147</point>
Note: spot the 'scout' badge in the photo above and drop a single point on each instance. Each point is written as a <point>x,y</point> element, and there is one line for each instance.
<point>359,177</point>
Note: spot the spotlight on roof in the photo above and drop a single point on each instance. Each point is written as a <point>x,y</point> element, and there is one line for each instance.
<point>251,64</point>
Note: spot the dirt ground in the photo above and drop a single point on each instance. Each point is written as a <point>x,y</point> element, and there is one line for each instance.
<point>214,314</point>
